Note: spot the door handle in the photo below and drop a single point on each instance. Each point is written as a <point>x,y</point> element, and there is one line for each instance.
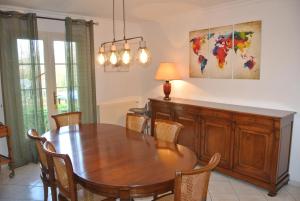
<point>55,99</point>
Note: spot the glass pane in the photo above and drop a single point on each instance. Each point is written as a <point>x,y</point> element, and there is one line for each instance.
<point>41,51</point>
<point>46,122</point>
<point>76,99</point>
<point>62,100</point>
<point>61,75</point>
<point>75,75</point>
<point>25,76</point>
<point>59,52</point>
<point>74,52</point>
<point>24,51</point>
<point>43,77</point>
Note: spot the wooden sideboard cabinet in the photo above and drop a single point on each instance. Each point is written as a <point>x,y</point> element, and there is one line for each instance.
<point>254,142</point>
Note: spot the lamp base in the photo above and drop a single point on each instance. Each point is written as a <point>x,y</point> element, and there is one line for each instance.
<point>167,90</point>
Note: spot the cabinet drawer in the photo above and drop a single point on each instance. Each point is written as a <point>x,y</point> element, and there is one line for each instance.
<point>187,109</point>
<point>215,114</point>
<point>253,120</point>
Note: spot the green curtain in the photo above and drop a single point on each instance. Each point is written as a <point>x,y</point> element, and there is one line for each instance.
<point>21,84</point>
<point>81,68</point>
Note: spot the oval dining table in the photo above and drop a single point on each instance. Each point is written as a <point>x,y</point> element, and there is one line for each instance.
<point>116,162</point>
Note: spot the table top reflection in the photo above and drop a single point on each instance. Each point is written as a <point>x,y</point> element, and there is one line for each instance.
<point>116,162</point>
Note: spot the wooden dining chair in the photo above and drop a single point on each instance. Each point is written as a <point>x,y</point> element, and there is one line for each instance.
<point>192,185</point>
<point>61,168</point>
<point>136,122</point>
<point>167,130</point>
<point>65,119</point>
<point>45,177</point>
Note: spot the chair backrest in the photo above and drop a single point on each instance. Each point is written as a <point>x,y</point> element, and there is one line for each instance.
<point>136,122</point>
<point>193,185</point>
<point>61,168</point>
<point>65,119</point>
<point>167,130</point>
<point>39,141</point>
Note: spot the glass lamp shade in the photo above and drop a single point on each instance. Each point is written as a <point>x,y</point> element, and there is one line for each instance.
<point>126,54</point>
<point>113,55</point>
<point>143,54</point>
<point>101,57</point>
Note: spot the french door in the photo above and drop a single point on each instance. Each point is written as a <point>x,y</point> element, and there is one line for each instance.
<point>54,75</point>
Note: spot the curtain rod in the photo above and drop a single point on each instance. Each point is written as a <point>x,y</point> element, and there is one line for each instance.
<point>59,19</point>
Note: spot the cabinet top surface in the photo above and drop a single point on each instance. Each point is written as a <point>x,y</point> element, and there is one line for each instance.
<point>227,107</point>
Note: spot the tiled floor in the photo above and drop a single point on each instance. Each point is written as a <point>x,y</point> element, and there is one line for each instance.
<point>27,186</point>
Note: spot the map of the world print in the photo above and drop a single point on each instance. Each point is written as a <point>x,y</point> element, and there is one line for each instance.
<point>229,52</point>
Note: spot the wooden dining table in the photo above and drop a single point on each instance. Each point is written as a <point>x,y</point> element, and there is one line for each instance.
<point>116,162</point>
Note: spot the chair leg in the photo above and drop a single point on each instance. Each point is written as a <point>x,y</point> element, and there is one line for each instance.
<point>53,193</point>
<point>45,191</point>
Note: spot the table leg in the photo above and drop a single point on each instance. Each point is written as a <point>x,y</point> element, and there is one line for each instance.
<point>125,195</point>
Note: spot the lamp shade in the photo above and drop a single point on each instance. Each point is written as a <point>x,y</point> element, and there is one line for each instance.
<point>167,71</point>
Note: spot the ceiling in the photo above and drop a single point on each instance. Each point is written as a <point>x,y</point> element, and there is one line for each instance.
<point>135,9</point>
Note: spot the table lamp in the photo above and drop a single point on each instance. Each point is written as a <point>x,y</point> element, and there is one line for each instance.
<point>167,72</point>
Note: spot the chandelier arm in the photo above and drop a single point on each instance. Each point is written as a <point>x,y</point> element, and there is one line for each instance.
<point>124,23</point>
<point>114,33</point>
<point>120,40</point>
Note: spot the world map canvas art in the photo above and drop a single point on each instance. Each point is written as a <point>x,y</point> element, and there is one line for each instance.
<point>227,52</point>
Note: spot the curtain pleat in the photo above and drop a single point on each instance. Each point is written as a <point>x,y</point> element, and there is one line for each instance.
<point>81,68</point>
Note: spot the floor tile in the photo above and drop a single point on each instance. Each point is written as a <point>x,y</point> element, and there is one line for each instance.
<point>220,187</point>
<point>224,197</point>
<point>282,195</point>
<point>293,190</point>
<point>243,188</point>
<point>215,176</point>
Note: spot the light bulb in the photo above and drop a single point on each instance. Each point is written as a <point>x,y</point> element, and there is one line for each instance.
<point>101,56</point>
<point>143,56</point>
<point>125,55</point>
<point>113,58</point>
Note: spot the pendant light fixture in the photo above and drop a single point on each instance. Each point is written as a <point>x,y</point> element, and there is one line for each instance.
<point>124,56</point>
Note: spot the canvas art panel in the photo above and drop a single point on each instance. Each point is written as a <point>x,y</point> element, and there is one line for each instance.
<point>227,52</point>
<point>198,53</point>
<point>220,50</point>
<point>247,41</point>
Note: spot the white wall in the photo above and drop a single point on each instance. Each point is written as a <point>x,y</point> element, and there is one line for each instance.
<point>278,86</point>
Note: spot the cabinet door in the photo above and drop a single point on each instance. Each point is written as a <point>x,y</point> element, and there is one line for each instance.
<point>253,150</point>
<point>216,137</point>
<point>188,136</point>
<point>161,111</point>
